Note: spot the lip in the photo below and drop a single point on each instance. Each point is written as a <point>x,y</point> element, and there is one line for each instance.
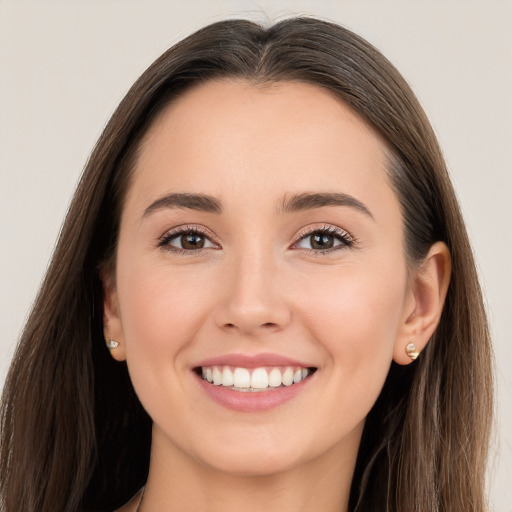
<point>252,361</point>
<point>259,401</point>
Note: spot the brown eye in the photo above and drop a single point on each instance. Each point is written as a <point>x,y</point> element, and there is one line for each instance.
<point>321,241</point>
<point>188,240</point>
<point>325,240</point>
<point>192,241</point>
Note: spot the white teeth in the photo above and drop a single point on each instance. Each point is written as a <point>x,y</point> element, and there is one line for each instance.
<point>217,376</point>
<point>259,378</point>
<point>227,377</point>
<point>274,378</point>
<point>288,377</point>
<point>241,378</point>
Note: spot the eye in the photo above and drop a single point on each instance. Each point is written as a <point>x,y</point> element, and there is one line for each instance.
<point>186,240</point>
<point>325,239</point>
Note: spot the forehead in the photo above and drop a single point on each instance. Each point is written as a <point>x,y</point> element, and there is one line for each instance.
<point>222,136</point>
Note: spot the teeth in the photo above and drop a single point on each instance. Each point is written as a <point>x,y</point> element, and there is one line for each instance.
<point>227,377</point>
<point>242,379</point>
<point>217,376</point>
<point>288,377</point>
<point>274,378</point>
<point>259,379</point>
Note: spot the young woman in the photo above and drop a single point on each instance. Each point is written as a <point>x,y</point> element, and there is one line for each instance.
<point>263,297</point>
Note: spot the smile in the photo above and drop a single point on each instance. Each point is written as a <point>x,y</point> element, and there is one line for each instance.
<point>254,379</point>
<point>253,383</point>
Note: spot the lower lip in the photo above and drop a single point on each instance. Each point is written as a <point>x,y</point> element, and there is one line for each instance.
<point>252,401</point>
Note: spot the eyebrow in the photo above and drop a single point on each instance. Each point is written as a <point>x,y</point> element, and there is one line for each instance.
<point>294,203</point>
<point>308,201</point>
<point>199,202</point>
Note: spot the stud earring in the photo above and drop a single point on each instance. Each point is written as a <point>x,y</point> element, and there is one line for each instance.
<point>111,343</point>
<point>411,351</point>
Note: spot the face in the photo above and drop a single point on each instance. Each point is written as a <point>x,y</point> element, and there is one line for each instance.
<point>260,242</point>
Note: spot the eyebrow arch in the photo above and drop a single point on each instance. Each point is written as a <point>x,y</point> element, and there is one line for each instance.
<point>297,202</point>
<point>199,202</point>
<point>308,201</point>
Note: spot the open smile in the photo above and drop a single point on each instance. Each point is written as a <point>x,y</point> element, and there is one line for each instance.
<point>254,379</point>
<point>253,383</point>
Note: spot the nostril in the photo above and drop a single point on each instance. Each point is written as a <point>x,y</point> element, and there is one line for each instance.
<point>251,328</point>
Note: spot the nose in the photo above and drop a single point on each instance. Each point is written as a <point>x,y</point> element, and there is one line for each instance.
<point>253,299</point>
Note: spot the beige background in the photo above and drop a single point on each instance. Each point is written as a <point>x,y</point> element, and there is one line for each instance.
<point>66,64</point>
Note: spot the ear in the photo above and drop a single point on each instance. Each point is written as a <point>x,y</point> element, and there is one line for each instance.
<point>424,304</point>
<point>112,325</point>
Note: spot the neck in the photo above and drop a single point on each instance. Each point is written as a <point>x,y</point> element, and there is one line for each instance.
<point>178,482</point>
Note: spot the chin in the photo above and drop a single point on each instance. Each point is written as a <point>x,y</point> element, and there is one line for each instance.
<point>260,451</point>
<point>251,464</point>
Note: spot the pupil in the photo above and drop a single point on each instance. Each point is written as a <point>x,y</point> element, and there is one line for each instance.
<point>192,241</point>
<point>322,241</point>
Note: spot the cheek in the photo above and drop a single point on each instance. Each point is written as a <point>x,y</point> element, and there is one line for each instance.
<point>355,317</point>
<point>162,309</point>
<point>161,312</point>
<point>354,308</point>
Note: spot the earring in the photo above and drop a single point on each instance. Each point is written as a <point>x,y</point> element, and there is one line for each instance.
<point>411,351</point>
<point>111,343</point>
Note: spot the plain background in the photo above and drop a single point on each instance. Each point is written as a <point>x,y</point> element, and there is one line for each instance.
<point>66,64</point>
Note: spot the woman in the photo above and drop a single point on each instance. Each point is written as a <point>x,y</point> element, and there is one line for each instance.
<point>266,240</point>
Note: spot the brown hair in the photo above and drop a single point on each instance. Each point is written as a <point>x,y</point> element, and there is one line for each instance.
<point>74,435</point>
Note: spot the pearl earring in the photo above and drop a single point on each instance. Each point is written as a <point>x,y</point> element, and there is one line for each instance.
<point>411,351</point>
<point>111,343</point>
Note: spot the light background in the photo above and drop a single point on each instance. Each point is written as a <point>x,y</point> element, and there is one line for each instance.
<point>66,64</point>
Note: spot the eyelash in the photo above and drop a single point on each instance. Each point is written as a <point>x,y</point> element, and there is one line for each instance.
<point>164,241</point>
<point>346,240</point>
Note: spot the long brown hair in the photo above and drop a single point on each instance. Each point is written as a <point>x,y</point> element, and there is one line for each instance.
<point>74,435</point>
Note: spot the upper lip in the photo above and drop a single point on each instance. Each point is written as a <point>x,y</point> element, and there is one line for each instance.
<point>252,361</point>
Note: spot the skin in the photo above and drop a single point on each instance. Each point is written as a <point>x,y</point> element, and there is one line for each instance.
<point>258,286</point>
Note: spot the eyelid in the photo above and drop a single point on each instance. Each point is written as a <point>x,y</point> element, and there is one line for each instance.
<point>163,240</point>
<point>346,239</point>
